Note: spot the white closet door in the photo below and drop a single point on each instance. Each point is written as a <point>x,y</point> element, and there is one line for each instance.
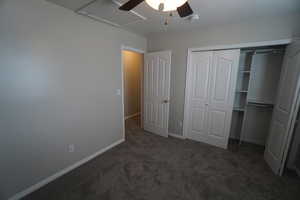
<point>284,109</point>
<point>157,69</point>
<point>222,89</point>
<point>199,74</point>
<point>210,96</point>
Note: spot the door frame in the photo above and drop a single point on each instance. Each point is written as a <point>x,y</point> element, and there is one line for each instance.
<point>214,48</point>
<point>140,51</point>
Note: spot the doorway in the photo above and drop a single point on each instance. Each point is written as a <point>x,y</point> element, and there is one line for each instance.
<point>146,85</point>
<point>132,64</point>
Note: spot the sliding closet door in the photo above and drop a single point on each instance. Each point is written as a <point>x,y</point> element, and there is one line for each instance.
<point>284,109</point>
<point>212,77</point>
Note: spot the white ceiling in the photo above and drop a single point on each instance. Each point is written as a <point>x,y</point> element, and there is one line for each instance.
<point>211,12</point>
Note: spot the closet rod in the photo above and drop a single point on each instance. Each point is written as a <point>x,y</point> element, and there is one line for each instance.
<point>263,51</point>
<point>268,51</point>
<point>261,105</point>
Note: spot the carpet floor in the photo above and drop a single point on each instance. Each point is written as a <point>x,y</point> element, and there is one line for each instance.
<point>150,167</point>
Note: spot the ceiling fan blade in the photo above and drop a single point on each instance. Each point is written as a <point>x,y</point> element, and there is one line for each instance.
<point>185,10</point>
<point>130,5</point>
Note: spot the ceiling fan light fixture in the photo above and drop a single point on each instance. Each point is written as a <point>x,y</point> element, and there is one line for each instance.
<point>169,5</point>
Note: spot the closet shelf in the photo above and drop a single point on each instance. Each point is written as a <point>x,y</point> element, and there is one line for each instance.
<point>245,67</point>
<point>245,71</point>
<point>242,91</point>
<point>260,105</point>
<point>239,109</point>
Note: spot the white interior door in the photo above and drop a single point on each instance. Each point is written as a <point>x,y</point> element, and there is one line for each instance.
<point>284,109</point>
<point>211,87</point>
<point>157,71</point>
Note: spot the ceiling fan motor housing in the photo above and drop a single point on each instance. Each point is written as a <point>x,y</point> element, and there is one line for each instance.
<point>182,6</point>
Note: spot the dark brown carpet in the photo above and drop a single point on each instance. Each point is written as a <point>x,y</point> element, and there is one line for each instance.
<point>149,167</point>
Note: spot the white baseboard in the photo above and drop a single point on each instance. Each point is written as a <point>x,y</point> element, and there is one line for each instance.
<point>131,116</point>
<point>62,172</point>
<point>177,136</point>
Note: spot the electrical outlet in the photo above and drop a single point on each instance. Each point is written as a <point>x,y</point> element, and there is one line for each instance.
<point>71,148</point>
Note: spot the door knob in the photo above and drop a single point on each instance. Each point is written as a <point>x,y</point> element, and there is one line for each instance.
<point>165,101</point>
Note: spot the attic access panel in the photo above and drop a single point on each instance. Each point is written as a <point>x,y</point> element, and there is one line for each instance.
<point>108,11</point>
<point>70,4</point>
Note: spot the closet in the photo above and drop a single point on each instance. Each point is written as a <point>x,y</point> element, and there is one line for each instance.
<point>247,94</point>
<point>256,91</point>
<point>211,86</point>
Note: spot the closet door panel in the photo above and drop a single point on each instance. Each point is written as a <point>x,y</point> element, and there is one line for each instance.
<point>199,92</point>
<point>217,123</point>
<point>221,79</point>
<point>287,87</point>
<point>222,89</point>
<point>200,77</point>
<point>279,135</point>
<point>198,124</point>
<point>277,129</point>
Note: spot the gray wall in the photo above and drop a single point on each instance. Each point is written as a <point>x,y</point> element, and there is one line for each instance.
<point>132,64</point>
<point>58,78</point>
<point>261,29</point>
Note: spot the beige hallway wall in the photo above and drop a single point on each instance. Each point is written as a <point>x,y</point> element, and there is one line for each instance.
<point>132,63</point>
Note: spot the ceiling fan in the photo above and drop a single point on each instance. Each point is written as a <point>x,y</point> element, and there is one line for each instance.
<point>182,6</point>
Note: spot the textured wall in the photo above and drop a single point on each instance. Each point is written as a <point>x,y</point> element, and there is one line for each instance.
<point>261,29</point>
<point>132,63</point>
<point>59,73</point>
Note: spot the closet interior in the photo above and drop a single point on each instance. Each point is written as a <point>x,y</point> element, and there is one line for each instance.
<point>256,89</point>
